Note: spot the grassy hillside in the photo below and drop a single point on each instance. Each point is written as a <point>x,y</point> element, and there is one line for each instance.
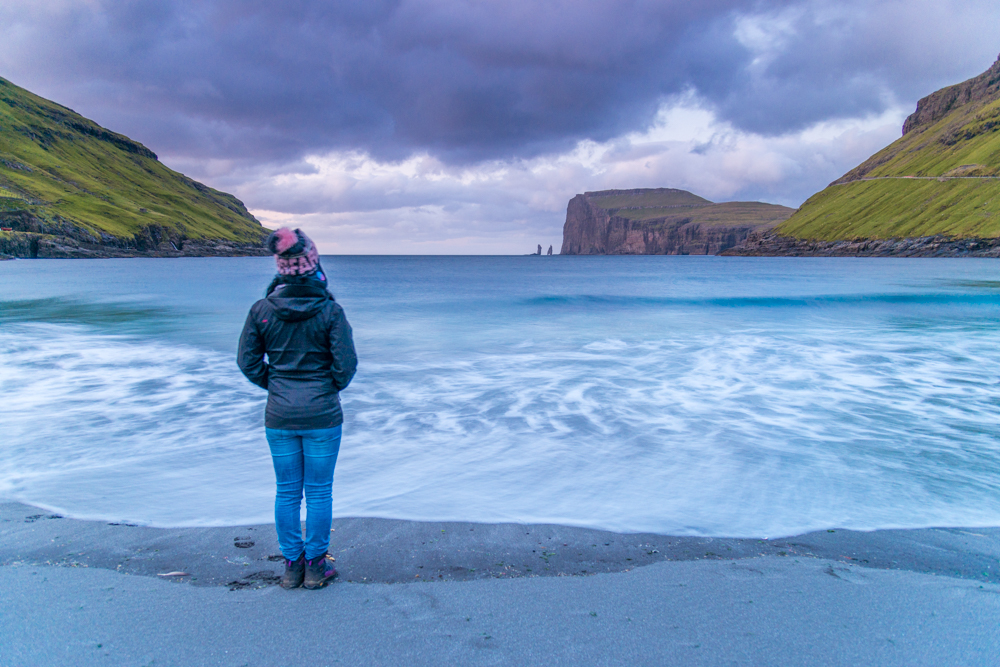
<point>726,214</point>
<point>644,198</point>
<point>665,205</point>
<point>63,174</point>
<point>899,208</point>
<point>941,177</point>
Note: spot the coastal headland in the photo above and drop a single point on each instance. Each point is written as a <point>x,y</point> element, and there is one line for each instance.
<point>932,193</point>
<point>470,593</point>
<point>661,221</point>
<point>70,188</point>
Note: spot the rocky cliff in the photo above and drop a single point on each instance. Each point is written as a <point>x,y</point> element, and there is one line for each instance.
<point>71,188</point>
<point>937,136</point>
<point>984,88</point>
<point>661,221</point>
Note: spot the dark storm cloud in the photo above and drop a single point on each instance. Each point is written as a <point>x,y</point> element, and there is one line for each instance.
<point>778,69</point>
<point>467,81</point>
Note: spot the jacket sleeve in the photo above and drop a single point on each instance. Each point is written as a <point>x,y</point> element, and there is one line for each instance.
<point>251,354</point>
<point>345,359</point>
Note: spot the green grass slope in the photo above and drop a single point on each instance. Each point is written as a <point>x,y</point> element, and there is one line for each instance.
<point>941,178</point>
<point>656,206</point>
<point>726,214</point>
<point>644,198</point>
<point>62,173</point>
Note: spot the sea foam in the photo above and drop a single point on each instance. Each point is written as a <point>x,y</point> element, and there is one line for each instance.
<point>709,415</point>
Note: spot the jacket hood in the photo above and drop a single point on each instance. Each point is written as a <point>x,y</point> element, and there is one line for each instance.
<point>294,303</point>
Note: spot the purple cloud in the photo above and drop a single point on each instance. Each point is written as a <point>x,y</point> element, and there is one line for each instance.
<point>239,94</point>
<point>466,81</point>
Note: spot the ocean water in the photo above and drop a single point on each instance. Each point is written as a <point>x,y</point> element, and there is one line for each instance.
<point>683,395</point>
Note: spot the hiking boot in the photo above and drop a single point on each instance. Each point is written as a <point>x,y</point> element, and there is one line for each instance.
<point>295,572</point>
<point>319,570</point>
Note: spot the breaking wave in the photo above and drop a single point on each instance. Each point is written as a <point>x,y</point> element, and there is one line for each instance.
<point>753,431</point>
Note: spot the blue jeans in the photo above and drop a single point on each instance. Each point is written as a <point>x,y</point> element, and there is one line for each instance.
<point>304,460</point>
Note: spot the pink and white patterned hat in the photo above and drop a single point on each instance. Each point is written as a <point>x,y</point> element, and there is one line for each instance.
<point>294,252</point>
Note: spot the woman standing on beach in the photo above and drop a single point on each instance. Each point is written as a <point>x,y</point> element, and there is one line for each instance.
<point>310,358</point>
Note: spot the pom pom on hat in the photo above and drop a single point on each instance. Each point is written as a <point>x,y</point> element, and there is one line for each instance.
<point>282,241</point>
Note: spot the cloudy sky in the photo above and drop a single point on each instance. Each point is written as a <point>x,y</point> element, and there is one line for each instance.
<point>425,126</point>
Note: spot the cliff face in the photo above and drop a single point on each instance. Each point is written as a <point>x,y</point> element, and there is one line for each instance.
<point>984,88</point>
<point>938,137</point>
<point>660,222</point>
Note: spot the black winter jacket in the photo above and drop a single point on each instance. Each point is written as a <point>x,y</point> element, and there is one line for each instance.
<point>310,356</point>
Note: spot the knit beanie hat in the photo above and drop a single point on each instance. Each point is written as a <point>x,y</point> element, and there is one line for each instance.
<point>294,252</point>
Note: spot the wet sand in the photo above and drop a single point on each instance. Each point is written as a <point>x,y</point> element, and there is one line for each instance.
<point>87,592</point>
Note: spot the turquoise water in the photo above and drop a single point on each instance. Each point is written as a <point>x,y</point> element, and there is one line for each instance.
<point>686,395</point>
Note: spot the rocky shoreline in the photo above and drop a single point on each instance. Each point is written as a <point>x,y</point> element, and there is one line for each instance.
<point>27,236</point>
<point>14,245</point>
<point>769,244</point>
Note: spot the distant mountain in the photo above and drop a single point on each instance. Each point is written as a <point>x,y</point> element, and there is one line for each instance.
<point>661,221</point>
<point>71,188</point>
<point>935,191</point>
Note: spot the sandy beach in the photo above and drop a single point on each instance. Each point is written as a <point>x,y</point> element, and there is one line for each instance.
<point>88,592</point>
